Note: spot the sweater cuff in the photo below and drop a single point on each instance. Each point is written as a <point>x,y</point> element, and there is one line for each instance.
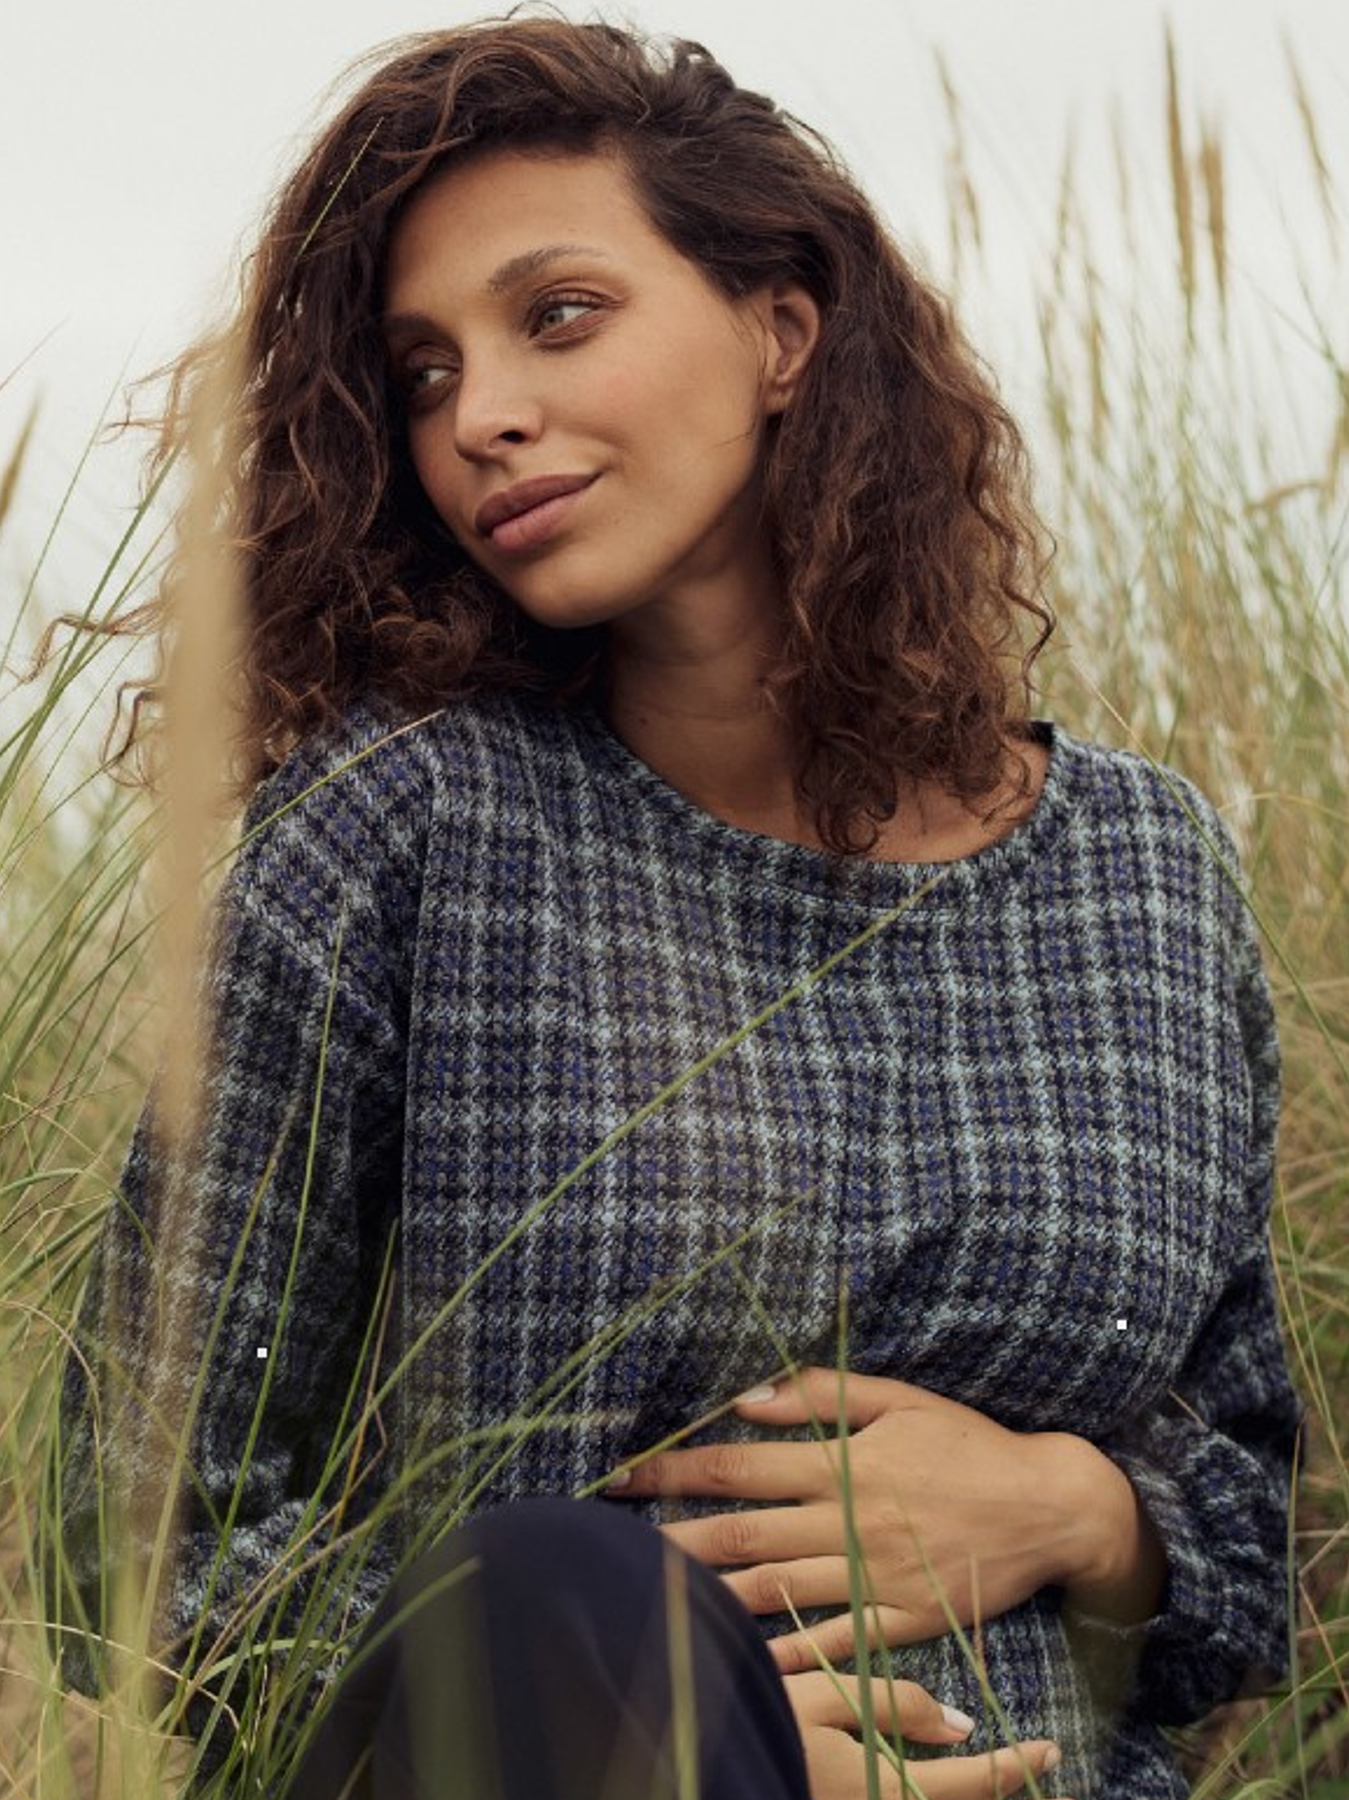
<point>1195,1651</point>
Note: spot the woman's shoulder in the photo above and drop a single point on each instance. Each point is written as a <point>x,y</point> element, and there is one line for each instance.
<point>1153,837</point>
<point>382,771</point>
<point>1124,794</point>
<point>346,823</point>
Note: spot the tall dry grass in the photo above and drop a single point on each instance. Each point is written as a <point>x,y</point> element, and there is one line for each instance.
<point>1202,583</point>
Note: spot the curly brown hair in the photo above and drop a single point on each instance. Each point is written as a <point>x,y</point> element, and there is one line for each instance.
<point>896,484</point>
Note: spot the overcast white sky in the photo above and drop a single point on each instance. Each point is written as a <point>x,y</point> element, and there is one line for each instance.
<point>139,138</point>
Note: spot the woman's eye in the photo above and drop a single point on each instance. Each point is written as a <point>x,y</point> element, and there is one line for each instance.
<point>423,380</point>
<point>561,311</point>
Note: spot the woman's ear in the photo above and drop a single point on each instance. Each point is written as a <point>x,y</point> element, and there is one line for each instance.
<point>792,317</point>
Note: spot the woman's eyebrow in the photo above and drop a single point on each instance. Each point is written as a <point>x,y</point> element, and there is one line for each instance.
<point>515,270</point>
<point>532,261</point>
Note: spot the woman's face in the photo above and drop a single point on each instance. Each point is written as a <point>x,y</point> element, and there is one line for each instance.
<point>585,411</point>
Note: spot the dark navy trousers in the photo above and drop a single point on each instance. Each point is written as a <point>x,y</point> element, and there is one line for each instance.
<point>557,1650</point>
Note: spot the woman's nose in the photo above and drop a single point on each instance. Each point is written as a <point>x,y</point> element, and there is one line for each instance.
<point>494,404</point>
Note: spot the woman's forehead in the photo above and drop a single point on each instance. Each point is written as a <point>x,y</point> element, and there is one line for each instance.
<point>504,218</point>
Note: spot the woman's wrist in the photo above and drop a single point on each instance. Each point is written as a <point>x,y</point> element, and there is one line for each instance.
<point>1115,1565</point>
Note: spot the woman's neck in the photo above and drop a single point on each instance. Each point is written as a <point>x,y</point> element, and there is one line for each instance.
<point>693,709</point>
<point>698,717</point>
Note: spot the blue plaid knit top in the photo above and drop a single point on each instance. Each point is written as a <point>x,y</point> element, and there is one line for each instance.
<point>1040,1102</point>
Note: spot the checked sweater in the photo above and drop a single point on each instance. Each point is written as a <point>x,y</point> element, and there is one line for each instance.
<point>1028,1125</point>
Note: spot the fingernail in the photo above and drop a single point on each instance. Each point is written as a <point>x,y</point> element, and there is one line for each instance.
<point>622,1479</point>
<point>957,1720</point>
<point>756,1396</point>
<point>1053,1757</point>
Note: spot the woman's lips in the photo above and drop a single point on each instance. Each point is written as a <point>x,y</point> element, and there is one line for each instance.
<point>500,517</point>
<point>527,530</point>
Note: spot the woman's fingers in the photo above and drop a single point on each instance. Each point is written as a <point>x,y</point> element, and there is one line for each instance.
<point>732,1471</point>
<point>832,1640</point>
<point>813,1394</point>
<point>819,1698</point>
<point>836,1766</point>
<point>836,1769</point>
<point>991,1776</point>
<point>766,1534</point>
<point>775,1587</point>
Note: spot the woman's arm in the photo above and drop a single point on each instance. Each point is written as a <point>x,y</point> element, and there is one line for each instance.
<point>253,1255</point>
<point>1212,1463</point>
<point>1212,1468</point>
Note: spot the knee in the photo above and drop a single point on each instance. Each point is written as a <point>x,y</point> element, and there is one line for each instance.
<point>552,1546</point>
<point>541,1549</point>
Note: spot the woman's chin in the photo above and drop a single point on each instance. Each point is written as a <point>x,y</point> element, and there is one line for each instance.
<point>571,611</point>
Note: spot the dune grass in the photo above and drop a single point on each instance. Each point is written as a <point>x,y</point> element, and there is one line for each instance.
<point>1201,580</point>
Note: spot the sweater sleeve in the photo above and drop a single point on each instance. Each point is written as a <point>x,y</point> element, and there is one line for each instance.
<point>255,1254</point>
<point>1212,1464</point>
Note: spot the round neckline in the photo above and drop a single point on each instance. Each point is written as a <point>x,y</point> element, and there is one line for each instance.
<point>756,856</point>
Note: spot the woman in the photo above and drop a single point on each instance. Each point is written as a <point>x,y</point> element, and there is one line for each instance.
<point>636,560</point>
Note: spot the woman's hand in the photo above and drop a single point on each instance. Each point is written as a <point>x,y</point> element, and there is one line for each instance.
<point>836,1762</point>
<point>950,1510</point>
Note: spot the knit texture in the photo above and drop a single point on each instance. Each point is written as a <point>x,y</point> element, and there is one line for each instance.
<point>1041,1101</point>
